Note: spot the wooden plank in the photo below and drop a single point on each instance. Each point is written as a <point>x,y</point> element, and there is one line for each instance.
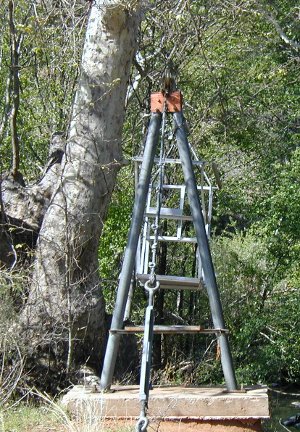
<point>174,282</point>
<point>174,330</point>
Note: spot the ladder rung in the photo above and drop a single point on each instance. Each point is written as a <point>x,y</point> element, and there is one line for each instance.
<point>173,239</point>
<point>167,160</point>
<point>166,211</point>
<point>169,213</point>
<point>174,282</point>
<point>174,329</point>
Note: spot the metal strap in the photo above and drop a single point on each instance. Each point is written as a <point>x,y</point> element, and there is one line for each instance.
<point>159,196</point>
<point>146,357</point>
<point>151,286</point>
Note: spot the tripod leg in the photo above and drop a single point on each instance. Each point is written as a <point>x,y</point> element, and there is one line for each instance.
<point>208,269</point>
<point>130,252</point>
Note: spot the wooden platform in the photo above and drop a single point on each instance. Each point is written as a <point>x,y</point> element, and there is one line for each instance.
<point>176,408</point>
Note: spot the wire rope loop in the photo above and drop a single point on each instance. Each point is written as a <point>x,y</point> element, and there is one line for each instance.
<point>142,424</point>
<point>152,288</point>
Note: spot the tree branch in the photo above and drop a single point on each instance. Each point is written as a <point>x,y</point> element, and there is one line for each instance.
<point>6,107</point>
<point>14,49</point>
<point>270,17</point>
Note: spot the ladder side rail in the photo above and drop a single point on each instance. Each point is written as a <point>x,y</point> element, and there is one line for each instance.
<point>138,256</point>
<point>145,234</point>
<point>203,206</point>
<point>131,248</point>
<point>210,279</point>
<point>209,214</point>
<point>199,269</point>
<point>139,253</point>
<point>208,180</point>
<point>147,228</point>
<point>147,246</point>
<point>129,300</point>
<point>181,206</point>
<point>136,176</point>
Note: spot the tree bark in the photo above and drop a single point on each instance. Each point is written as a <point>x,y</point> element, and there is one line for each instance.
<point>65,310</point>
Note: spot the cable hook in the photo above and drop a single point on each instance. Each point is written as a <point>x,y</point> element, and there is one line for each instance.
<point>142,424</point>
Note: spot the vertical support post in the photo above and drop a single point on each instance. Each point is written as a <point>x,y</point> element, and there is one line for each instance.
<point>130,251</point>
<point>209,274</point>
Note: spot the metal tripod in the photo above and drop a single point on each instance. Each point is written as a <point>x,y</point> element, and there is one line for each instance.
<point>132,244</point>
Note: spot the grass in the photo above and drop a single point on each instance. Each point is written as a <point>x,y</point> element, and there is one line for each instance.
<point>27,418</point>
<point>50,417</point>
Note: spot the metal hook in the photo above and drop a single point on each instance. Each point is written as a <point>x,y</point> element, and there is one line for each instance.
<point>142,424</point>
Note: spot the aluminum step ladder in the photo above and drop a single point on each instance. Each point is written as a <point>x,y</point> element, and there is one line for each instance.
<point>177,214</point>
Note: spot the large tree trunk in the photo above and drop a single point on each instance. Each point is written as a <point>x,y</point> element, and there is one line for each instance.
<point>64,315</point>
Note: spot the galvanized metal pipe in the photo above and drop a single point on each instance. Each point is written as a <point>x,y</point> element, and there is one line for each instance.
<point>130,251</point>
<point>208,269</point>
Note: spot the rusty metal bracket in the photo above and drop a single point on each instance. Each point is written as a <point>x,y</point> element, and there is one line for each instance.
<point>173,102</point>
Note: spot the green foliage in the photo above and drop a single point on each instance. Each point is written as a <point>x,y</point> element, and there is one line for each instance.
<point>261,314</point>
<point>282,218</point>
<point>50,43</point>
<point>114,236</point>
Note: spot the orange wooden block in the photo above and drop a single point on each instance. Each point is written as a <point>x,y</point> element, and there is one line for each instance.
<point>173,102</point>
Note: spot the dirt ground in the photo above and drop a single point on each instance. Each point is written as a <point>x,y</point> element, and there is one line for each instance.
<point>169,426</point>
